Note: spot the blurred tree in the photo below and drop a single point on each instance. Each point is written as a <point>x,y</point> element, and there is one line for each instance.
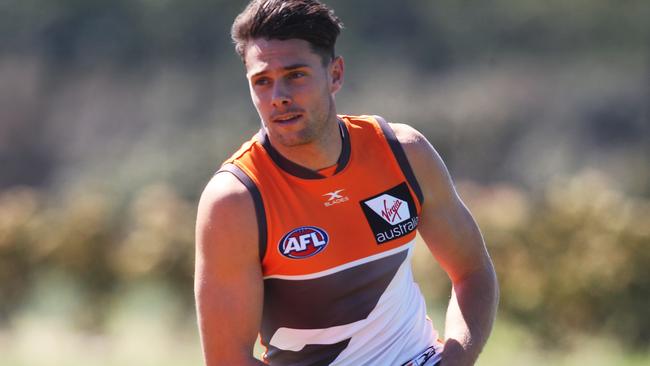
<point>101,101</point>
<point>576,262</point>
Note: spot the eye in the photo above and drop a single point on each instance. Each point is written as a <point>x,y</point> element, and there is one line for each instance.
<point>296,75</point>
<point>261,81</point>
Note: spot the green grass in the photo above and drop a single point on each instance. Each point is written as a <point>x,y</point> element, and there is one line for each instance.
<point>512,345</point>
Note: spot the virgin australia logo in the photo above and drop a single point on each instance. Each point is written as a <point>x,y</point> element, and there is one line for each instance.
<point>391,214</point>
<point>389,208</point>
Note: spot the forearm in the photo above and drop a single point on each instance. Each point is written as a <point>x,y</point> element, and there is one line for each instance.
<point>225,339</point>
<point>219,350</point>
<point>228,321</point>
<point>470,316</point>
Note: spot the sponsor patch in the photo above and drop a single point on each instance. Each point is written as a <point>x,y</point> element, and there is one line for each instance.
<point>391,214</point>
<point>303,242</point>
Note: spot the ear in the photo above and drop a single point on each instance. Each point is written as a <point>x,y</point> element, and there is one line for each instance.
<point>336,72</point>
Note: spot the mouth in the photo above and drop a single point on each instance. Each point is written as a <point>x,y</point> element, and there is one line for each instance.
<point>287,118</point>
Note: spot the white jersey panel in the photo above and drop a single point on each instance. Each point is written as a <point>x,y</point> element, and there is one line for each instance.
<point>396,330</point>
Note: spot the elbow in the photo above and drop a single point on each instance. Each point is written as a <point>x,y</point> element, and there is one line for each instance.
<point>491,282</point>
<point>483,279</point>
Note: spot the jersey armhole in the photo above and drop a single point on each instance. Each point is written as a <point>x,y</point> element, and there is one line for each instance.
<point>400,156</point>
<point>260,213</point>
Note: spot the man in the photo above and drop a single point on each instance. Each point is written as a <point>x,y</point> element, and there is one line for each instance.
<point>305,235</point>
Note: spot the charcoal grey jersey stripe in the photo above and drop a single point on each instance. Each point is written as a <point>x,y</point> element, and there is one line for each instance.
<point>326,301</point>
<point>260,213</point>
<point>400,155</point>
<point>311,355</point>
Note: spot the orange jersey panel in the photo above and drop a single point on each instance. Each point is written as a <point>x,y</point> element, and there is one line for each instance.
<point>332,204</point>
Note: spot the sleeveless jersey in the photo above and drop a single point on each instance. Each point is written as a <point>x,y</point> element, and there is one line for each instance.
<point>336,251</point>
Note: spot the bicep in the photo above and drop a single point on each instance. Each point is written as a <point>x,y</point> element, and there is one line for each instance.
<point>228,278</point>
<point>453,237</point>
<point>446,225</point>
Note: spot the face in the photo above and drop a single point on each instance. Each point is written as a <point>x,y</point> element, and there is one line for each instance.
<point>292,90</point>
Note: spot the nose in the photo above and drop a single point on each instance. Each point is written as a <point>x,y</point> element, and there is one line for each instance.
<point>280,96</point>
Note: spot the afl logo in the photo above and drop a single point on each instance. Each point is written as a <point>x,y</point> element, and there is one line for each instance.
<point>303,242</point>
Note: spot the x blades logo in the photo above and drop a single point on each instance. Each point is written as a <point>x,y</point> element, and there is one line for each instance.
<point>335,197</point>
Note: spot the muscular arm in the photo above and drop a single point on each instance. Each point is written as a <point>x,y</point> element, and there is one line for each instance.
<point>228,279</point>
<point>453,237</point>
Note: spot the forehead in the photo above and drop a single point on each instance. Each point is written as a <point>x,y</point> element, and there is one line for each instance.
<point>266,55</point>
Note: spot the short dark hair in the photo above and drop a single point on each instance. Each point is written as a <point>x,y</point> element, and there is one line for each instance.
<point>309,20</point>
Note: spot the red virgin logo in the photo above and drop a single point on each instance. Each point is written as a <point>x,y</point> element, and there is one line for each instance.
<point>391,209</point>
<point>391,213</point>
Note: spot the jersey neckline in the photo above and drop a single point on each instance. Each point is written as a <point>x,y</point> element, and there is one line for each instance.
<point>300,171</point>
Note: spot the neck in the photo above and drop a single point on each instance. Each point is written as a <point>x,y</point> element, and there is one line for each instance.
<point>318,154</point>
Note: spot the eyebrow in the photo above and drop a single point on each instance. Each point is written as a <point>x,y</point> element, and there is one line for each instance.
<point>286,68</point>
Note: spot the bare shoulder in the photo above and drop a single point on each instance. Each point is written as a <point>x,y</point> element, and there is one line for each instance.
<point>406,134</point>
<point>226,214</point>
<point>225,192</point>
<point>427,164</point>
<point>416,146</point>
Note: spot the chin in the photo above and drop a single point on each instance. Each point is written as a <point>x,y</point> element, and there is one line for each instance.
<point>292,140</point>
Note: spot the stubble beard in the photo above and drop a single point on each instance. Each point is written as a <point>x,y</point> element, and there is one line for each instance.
<point>314,129</point>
